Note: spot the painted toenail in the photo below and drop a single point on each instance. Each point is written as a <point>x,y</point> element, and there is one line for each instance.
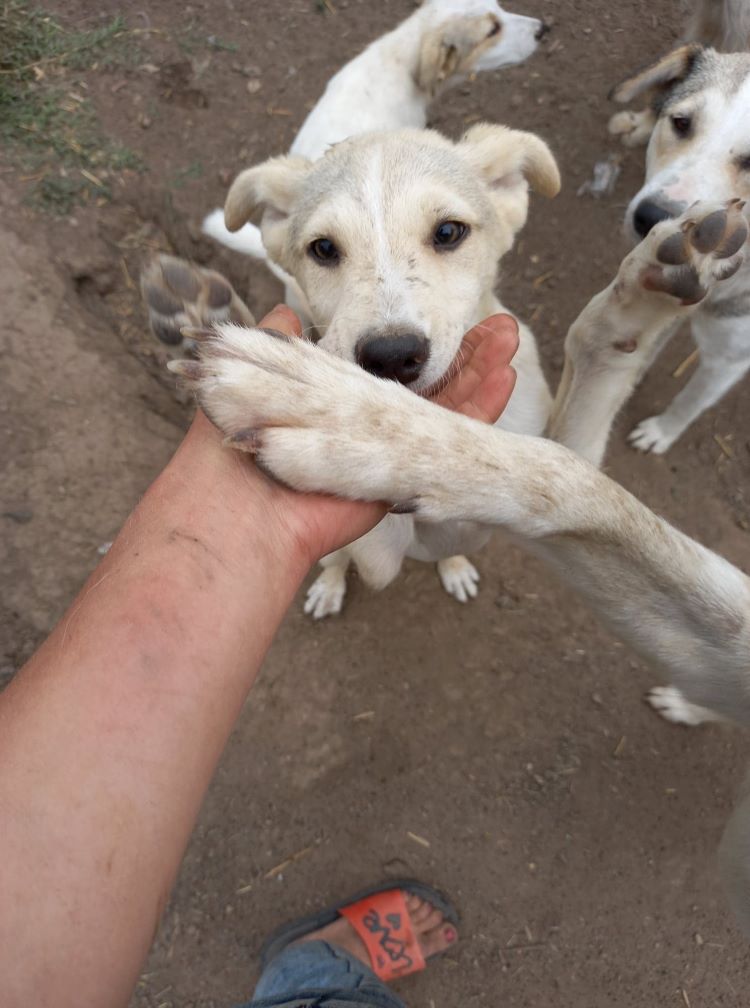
<point>449,934</point>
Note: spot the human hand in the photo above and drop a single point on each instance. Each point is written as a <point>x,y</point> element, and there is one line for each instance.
<point>309,526</point>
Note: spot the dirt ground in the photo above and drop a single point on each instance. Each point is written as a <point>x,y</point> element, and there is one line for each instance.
<point>499,749</point>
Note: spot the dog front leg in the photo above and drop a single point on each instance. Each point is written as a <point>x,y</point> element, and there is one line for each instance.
<point>619,332</point>
<point>681,606</point>
<point>724,360</point>
<point>325,596</point>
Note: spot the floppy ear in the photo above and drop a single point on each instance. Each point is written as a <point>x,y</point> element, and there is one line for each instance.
<point>508,159</point>
<point>447,49</point>
<point>670,69</point>
<point>271,187</point>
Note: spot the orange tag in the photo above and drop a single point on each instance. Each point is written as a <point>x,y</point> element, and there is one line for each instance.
<point>383,923</point>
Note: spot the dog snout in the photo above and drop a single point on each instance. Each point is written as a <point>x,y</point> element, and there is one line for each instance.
<point>397,356</point>
<point>542,30</point>
<point>647,214</point>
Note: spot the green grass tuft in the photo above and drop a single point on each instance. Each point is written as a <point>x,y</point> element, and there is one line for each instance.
<point>52,130</point>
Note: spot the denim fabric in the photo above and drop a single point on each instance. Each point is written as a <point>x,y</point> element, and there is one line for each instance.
<point>316,973</point>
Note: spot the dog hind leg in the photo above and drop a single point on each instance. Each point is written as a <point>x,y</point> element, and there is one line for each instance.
<point>633,128</point>
<point>671,703</point>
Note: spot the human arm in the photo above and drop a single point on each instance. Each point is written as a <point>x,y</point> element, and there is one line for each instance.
<point>110,735</point>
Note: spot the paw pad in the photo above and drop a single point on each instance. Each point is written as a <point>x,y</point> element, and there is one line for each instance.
<point>179,294</point>
<point>696,251</point>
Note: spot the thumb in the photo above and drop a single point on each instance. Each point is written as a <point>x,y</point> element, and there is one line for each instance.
<point>283,320</point>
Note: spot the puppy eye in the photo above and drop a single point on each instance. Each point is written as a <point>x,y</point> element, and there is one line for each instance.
<point>743,163</point>
<point>324,251</point>
<point>449,234</point>
<point>494,30</point>
<point>681,124</point>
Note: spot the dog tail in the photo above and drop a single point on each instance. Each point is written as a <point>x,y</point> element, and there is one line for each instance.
<point>723,24</point>
<point>247,239</point>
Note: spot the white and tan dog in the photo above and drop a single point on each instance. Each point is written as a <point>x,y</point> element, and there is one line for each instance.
<point>391,84</point>
<point>394,240</point>
<point>723,25</point>
<point>699,149</point>
<point>320,423</point>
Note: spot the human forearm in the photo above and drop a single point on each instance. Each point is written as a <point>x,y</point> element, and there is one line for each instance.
<point>110,735</point>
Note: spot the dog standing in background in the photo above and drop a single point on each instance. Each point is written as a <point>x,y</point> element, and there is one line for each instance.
<point>390,86</point>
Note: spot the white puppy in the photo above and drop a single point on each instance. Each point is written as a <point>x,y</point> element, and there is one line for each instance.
<point>391,84</point>
<point>394,240</point>
<point>699,150</point>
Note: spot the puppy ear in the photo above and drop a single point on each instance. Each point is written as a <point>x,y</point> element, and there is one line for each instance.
<point>270,188</point>
<point>670,69</point>
<point>507,158</point>
<point>448,49</point>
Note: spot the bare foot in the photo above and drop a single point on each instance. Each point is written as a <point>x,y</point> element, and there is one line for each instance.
<point>434,933</point>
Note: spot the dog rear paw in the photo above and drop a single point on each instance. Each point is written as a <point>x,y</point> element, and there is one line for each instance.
<point>325,596</point>
<point>459,577</point>
<point>669,702</point>
<point>633,128</point>
<point>179,294</point>
<point>686,257</point>
<point>652,435</point>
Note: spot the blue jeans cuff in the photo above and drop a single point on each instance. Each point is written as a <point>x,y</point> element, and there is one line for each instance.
<point>317,973</point>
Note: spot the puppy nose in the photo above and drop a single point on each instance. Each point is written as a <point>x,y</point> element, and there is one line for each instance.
<point>398,356</point>
<point>646,215</point>
<point>542,30</point>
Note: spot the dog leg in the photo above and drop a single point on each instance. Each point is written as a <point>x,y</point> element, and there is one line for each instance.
<point>180,294</point>
<point>633,128</point>
<point>325,596</point>
<point>734,858</point>
<point>459,577</point>
<point>683,607</point>
<point>719,369</point>
<point>616,335</point>
<point>669,702</point>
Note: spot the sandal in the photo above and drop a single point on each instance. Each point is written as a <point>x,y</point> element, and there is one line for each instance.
<point>380,918</point>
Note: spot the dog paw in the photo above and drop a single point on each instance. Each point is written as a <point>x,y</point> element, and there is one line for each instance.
<point>685,257</point>
<point>670,703</point>
<point>325,596</point>
<point>317,422</point>
<point>633,128</point>
<point>180,295</point>
<point>652,435</point>
<point>459,577</point>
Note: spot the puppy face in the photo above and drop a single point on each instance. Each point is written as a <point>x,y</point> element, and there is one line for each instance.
<point>700,146</point>
<point>463,37</point>
<point>395,237</point>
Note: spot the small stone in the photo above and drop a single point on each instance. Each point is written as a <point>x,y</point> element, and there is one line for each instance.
<point>21,515</point>
<point>254,86</point>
